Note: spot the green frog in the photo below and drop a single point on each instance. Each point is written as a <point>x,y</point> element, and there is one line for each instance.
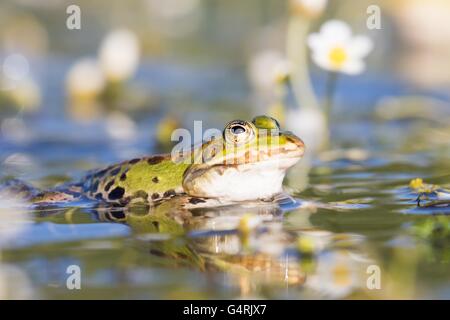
<point>247,162</point>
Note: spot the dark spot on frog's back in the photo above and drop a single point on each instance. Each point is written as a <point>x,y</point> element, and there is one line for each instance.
<point>100,173</point>
<point>169,193</point>
<point>133,161</point>
<point>155,196</point>
<point>123,176</point>
<point>116,193</point>
<point>109,185</point>
<point>115,171</point>
<point>155,160</point>
<point>196,200</point>
<point>155,180</point>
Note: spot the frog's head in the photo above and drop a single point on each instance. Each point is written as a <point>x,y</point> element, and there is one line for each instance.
<point>248,162</point>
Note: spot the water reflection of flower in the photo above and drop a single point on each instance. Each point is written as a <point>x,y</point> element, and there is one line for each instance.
<point>334,48</point>
<point>245,226</point>
<point>336,275</point>
<point>14,284</point>
<point>14,219</point>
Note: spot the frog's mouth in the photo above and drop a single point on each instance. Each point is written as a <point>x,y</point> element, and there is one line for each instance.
<point>260,179</point>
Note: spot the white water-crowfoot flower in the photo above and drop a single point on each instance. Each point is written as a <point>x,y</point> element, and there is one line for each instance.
<point>85,79</point>
<point>267,69</point>
<point>310,8</point>
<point>334,48</point>
<point>119,55</point>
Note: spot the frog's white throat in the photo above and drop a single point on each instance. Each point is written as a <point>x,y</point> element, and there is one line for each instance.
<point>242,182</point>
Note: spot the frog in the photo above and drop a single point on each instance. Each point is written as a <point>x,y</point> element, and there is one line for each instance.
<point>247,162</point>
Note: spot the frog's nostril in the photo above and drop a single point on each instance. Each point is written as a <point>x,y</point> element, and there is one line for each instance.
<point>296,140</point>
<point>300,142</point>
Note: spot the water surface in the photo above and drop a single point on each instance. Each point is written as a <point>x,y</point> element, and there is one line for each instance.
<point>355,212</point>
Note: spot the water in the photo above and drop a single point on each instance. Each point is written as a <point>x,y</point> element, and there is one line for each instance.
<point>357,215</point>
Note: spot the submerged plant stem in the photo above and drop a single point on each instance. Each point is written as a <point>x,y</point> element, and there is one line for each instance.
<point>330,91</point>
<point>298,57</point>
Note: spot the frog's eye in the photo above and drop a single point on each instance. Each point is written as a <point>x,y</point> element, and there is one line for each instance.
<point>238,132</point>
<point>266,122</point>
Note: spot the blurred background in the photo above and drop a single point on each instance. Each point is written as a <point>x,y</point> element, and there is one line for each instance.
<point>156,62</point>
<point>72,100</point>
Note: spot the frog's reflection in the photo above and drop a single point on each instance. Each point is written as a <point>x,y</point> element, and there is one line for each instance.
<point>247,245</point>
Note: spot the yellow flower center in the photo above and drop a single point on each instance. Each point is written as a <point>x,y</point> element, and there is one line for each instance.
<point>416,183</point>
<point>342,276</point>
<point>337,57</point>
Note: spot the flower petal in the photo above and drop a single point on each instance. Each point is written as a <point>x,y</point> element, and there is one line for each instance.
<point>360,46</point>
<point>322,61</point>
<point>317,43</point>
<point>336,31</point>
<point>353,67</point>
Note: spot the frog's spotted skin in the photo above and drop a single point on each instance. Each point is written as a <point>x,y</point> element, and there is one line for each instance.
<point>247,163</point>
<point>138,180</point>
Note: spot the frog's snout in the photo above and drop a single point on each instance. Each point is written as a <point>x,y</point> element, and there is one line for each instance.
<point>295,143</point>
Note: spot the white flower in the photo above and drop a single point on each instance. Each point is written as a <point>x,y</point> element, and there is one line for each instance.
<point>119,126</point>
<point>24,93</point>
<point>119,55</point>
<point>334,48</point>
<point>309,7</point>
<point>16,67</point>
<point>85,79</point>
<point>268,68</point>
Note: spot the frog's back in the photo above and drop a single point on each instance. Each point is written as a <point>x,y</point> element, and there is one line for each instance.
<point>146,179</point>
